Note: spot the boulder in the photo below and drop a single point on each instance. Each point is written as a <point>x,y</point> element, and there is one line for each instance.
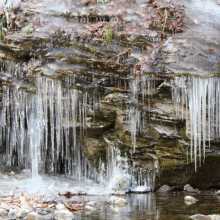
<point>189,188</point>
<point>164,189</point>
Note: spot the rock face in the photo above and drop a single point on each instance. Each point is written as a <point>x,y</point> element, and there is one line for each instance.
<point>113,91</point>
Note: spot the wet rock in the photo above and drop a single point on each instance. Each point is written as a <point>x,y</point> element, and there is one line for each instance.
<point>164,189</point>
<point>194,50</point>
<point>89,208</point>
<point>24,45</point>
<point>118,201</point>
<point>190,200</point>
<point>3,212</point>
<point>63,215</point>
<point>189,188</point>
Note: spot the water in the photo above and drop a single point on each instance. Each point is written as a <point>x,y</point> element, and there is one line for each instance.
<point>156,206</point>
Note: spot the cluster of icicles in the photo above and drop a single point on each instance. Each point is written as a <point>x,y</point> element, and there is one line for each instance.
<point>39,130</point>
<point>201,98</point>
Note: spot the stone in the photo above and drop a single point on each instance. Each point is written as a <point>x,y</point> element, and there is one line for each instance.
<point>164,188</point>
<point>218,1</point>
<point>190,200</point>
<point>43,211</point>
<point>214,217</point>
<point>61,207</point>
<point>22,213</point>
<point>91,203</point>
<point>33,216</point>
<point>189,188</point>
<point>89,208</point>
<point>13,212</point>
<point>3,212</point>
<point>199,217</point>
<point>63,215</point>
<point>2,195</point>
<point>205,217</point>
<point>5,206</point>
<point>118,201</point>
<point>120,193</point>
<point>25,205</point>
<point>48,197</point>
